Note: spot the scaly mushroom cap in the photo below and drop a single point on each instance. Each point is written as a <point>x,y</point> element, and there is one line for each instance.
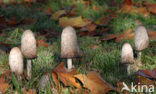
<point>127,54</point>
<point>28,44</point>
<point>69,46</point>
<point>16,61</point>
<point>141,39</point>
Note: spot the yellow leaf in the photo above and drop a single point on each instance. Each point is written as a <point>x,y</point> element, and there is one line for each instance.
<point>74,21</point>
<point>57,14</point>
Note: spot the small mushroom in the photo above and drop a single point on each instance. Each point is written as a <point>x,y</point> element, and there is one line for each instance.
<point>141,41</point>
<point>69,46</point>
<point>127,56</point>
<point>16,61</point>
<point>28,48</point>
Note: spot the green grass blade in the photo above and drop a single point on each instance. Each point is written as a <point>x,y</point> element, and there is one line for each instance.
<point>15,83</point>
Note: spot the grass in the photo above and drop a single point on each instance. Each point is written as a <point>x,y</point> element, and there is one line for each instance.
<point>105,58</point>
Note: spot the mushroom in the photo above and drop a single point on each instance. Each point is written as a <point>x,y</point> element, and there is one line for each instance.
<point>16,61</point>
<point>28,48</point>
<point>69,46</point>
<point>127,56</point>
<point>141,41</point>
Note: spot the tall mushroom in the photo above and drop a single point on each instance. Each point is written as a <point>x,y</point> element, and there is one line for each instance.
<point>141,41</point>
<point>16,61</point>
<point>28,48</point>
<point>69,46</point>
<point>127,56</point>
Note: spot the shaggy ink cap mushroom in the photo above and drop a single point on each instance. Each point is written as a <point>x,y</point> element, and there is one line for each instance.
<point>141,38</point>
<point>28,47</point>
<point>127,54</point>
<point>69,46</point>
<point>16,61</point>
<point>28,44</point>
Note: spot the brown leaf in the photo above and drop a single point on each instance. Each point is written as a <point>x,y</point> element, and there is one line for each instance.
<point>3,85</point>
<point>74,21</point>
<point>57,14</point>
<point>145,81</point>
<point>94,83</point>
<point>28,21</point>
<point>91,27</point>
<point>103,21</point>
<point>147,73</point>
<point>48,11</point>
<point>151,8</point>
<point>42,43</point>
<point>55,79</point>
<point>13,21</point>
<point>65,76</point>
<point>128,34</point>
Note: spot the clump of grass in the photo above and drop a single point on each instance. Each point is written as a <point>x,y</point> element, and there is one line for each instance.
<point>44,61</point>
<point>122,23</point>
<point>148,57</point>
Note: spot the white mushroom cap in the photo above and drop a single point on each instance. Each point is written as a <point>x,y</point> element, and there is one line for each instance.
<point>127,54</point>
<point>28,44</point>
<point>69,46</point>
<point>141,39</point>
<point>16,61</point>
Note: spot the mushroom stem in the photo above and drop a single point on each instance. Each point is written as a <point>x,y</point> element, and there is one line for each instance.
<point>139,59</point>
<point>29,69</point>
<point>128,69</point>
<point>69,63</point>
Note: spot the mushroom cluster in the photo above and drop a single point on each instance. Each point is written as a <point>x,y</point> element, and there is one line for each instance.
<point>28,50</point>
<point>141,42</point>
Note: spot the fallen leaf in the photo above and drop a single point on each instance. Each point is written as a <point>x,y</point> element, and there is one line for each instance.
<point>103,21</point>
<point>28,21</point>
<point>48,11</point>
<point>58,14</point>
<point>74,22</point>
<point>151,8</point>
<point>42,43</point>
<point>12,21</point>
<point>65,76</point>
<point>3,85</point>
<point>144,81</point>
<point>94,83</point>
<point>147,73</point>
<point>128,34</point>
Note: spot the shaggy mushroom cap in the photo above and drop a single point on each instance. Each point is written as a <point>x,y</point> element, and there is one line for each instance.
<point>69,46</point>
<point>141,39</point>
<point>16,61</point>
<point>127,54</point>
<point>28,44</point>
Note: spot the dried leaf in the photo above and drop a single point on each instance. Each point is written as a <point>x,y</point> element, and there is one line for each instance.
<point>94,83</point>
<point>3,85</point>
<point>13,21</point>
<point>42,43</point>
<point>147,73</point>
<point>74,21</point>
<point>151,8</point>
<point>103,21</point>
<point>57,14</point>
<point>65,76</point>
<point>145,81</point>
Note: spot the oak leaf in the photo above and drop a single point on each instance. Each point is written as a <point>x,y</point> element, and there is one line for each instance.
<point>65,76</point>
<point>94,83</point>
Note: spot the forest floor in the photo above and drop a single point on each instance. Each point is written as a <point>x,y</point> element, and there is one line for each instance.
<point>95,22</point>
